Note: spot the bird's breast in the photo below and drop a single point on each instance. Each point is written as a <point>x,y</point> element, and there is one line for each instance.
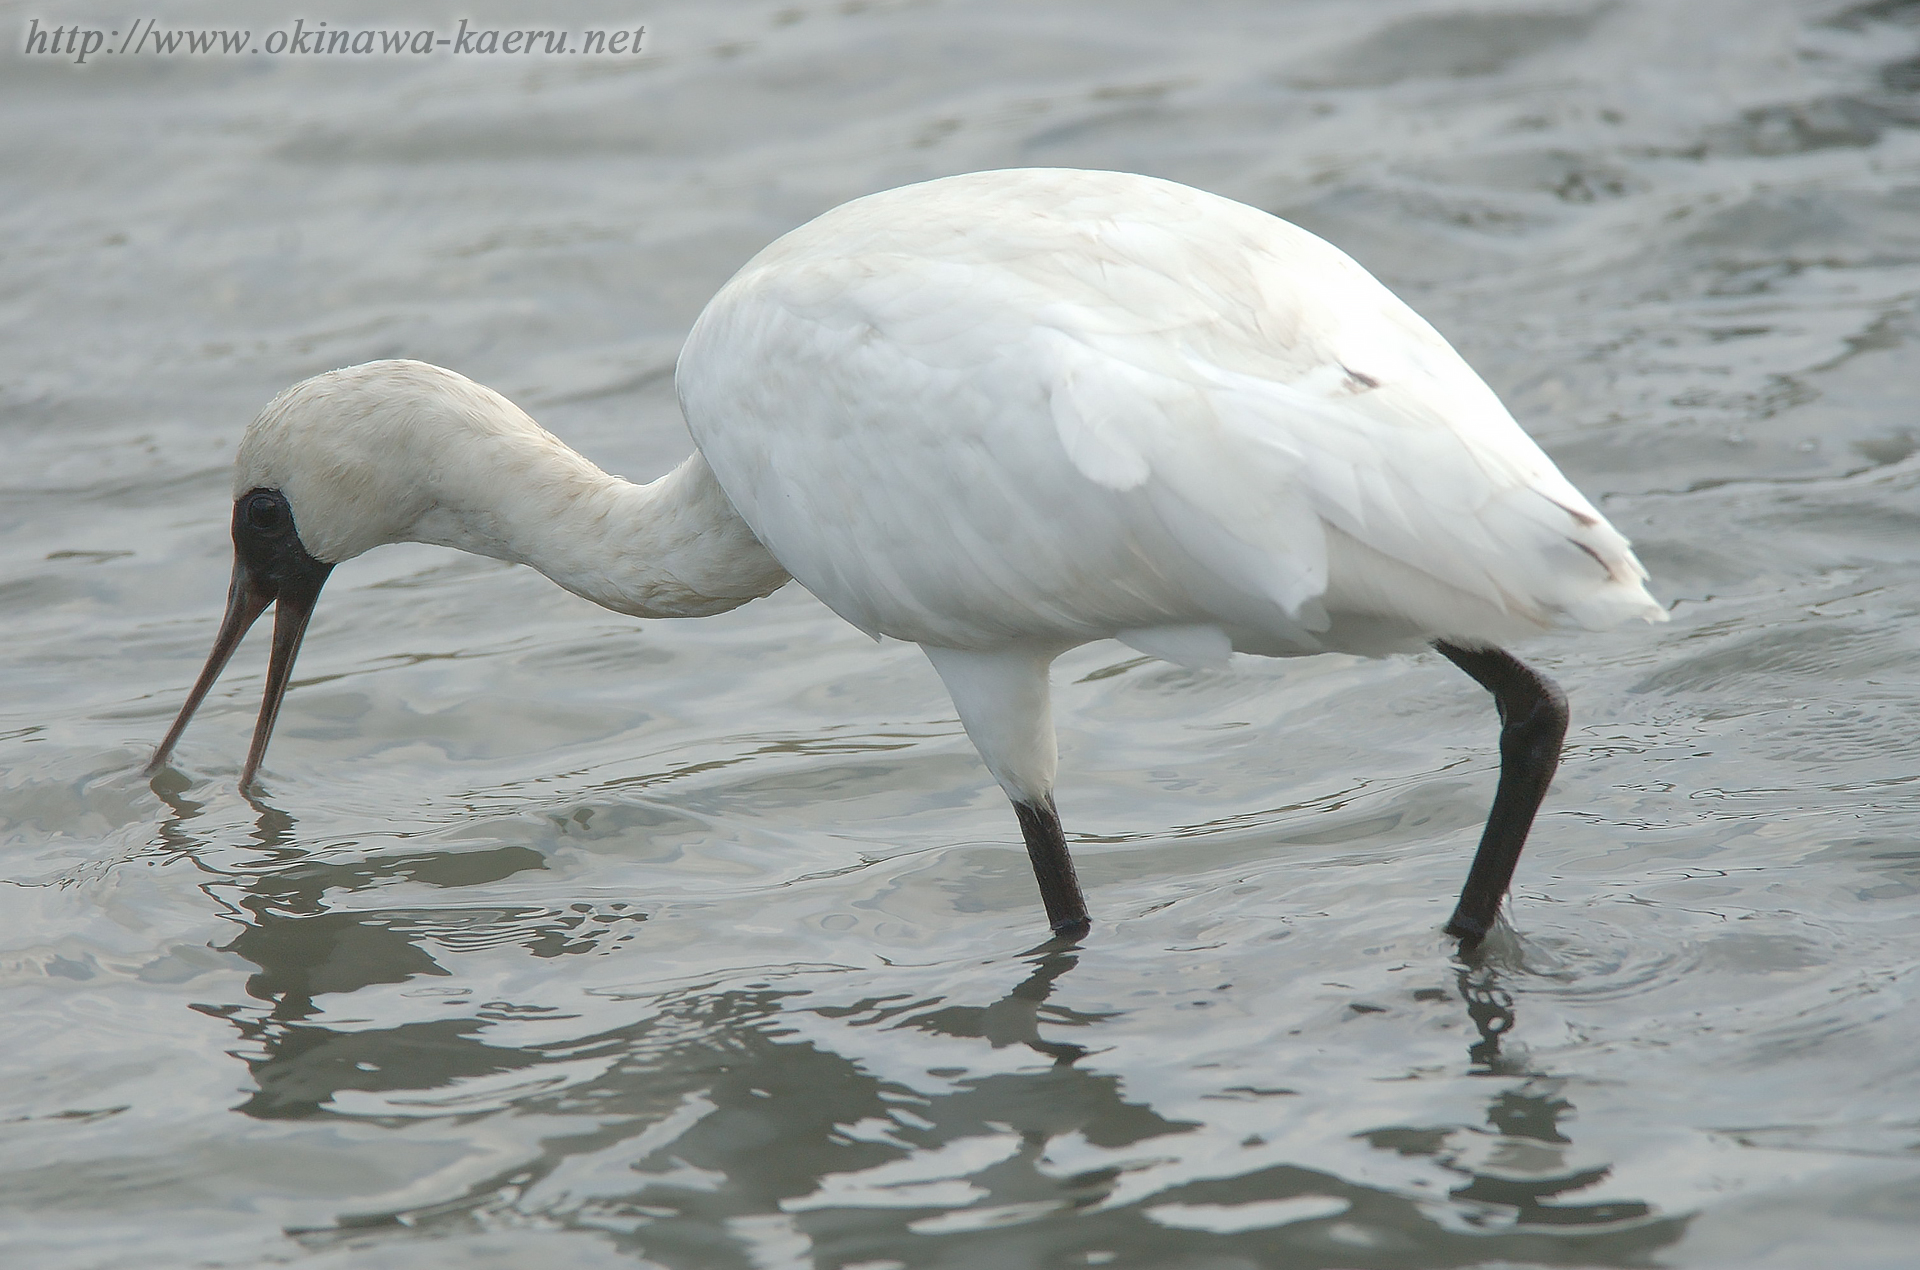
<point>915,481</point>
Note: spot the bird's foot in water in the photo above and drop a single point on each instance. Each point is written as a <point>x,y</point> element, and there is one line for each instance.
<point>1469,931</point>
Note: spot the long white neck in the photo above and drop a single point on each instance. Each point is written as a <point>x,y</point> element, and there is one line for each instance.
<point>401,451</point>
<point>671,548</point>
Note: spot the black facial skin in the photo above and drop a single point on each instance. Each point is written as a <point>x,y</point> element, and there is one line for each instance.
<point>265,542</point>
<point>270,566</point>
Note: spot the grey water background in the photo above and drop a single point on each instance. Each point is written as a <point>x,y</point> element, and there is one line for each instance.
<point>561,940</point>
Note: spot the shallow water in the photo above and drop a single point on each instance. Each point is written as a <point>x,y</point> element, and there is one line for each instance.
<point>562,940</point>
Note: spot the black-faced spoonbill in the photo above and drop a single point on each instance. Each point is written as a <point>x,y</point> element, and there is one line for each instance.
<point>1001,415</point>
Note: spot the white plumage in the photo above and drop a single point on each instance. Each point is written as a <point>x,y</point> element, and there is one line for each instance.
<point>1066,404</point>
<point>1000,415</point>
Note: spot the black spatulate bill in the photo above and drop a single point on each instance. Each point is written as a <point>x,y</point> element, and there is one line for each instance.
<point>271,566</point>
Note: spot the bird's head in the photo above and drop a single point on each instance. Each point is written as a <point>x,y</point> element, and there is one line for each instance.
<point>334,466</point>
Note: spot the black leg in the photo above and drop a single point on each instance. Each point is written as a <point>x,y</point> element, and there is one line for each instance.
<point>1533,722</point>
<point>1053,868</point>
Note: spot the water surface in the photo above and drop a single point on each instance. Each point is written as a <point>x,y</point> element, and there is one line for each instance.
<point>559,939</point>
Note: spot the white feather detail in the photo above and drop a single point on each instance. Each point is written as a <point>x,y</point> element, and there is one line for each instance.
<point>1199,646</point>
<point>1056,405</point>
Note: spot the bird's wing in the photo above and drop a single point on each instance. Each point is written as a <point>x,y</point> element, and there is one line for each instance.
<point>1346,422</point>
<point>1043,400</point>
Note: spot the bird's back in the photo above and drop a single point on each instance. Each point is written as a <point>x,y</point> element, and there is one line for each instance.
<point>1057,405</point>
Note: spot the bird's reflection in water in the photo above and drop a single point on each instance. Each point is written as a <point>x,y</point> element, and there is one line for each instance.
<point>1518,1165</point>
<point>714,1134</point>
<point>305,948</point>
<point>1015,1018</point>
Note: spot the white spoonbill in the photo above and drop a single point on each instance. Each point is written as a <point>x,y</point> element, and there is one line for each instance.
<point>1001,415</point>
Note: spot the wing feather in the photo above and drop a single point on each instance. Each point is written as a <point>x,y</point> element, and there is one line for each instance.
<point>1425,470</point>
<point>1062,404</point>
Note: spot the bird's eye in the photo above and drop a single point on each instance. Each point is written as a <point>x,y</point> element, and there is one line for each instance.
<point>267,512</point>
